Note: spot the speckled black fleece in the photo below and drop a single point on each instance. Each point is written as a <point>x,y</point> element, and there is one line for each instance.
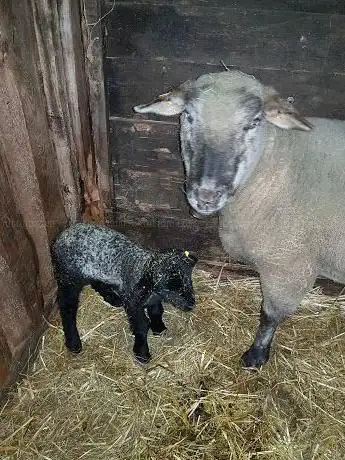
<point>125,274</point>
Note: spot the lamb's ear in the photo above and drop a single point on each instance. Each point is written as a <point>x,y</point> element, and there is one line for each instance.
<point>281,113</point>
<point>190,257</point>
<point>167,104</point>
<point>192,260</point>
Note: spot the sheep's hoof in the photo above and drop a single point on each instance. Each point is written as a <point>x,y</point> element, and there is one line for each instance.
<point>75,347</point>
<point>142,359</point>
<point>160,332</point>
<point>255,357</point>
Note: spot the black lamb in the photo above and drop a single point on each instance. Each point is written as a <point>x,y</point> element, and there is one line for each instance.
<point>125,274</point>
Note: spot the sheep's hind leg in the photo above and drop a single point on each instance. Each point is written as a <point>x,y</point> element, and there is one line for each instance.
<point>258,354</point>
<point>107,291</point>
<point>68,298</point>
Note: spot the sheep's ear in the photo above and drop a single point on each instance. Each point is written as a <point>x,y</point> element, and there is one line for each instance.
<point>281,113</point>
<point>167,104</point>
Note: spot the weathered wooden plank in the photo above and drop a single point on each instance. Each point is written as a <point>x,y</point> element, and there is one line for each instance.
<point>50,61</point>
<point>309,6</point>
<point>5,357</point>
<point>93,34</point>
<point>21,304</point>
<point>148,180</point>
<point>41,93</point>
<point>23,60</point>
<point>131,82</point>
<point>265,38</point>
<point>164,233</point>
<point>143,176</point>
<point>18,313</point>
<point>31,205</point>
<point>22,182</point>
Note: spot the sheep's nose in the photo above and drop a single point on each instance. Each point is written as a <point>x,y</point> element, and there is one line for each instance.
<point>208,196</point>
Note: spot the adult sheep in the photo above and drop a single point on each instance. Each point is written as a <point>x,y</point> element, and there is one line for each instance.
<point>278,184</point>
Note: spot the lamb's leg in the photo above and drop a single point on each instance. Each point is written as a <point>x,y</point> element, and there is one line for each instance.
<point>140,325</point>
<point>281,298</point>
<point>155,312</point>
<point>68,298</point>
<point>107,291</point>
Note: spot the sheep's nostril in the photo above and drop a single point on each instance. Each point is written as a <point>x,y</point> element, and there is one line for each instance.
<point>207,196</point>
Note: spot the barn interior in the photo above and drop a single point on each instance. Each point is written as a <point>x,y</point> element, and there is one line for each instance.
<point>72,149</point>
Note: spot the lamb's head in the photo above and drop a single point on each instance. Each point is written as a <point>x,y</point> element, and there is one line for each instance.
<point>223,118</point>
<point>172,277</point>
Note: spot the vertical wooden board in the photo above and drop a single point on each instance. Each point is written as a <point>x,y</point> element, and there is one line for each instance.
<point>69,39</point>
<point>24,57</point>
<point>18,313</point>
<point>18,250</point>
<point>95,54</point>
<point>20,170</point>
<point>5,358</point>
<point>51,67</point>
<point>32,186</point>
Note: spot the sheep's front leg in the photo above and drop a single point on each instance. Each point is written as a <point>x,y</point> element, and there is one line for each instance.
<point>155,312</point>
<point>281,298</point>
<point>140,325</point>
<point>258,353</point>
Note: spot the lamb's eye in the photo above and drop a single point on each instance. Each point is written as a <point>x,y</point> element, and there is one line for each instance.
<point>253,124</point>
<point>188,116</point>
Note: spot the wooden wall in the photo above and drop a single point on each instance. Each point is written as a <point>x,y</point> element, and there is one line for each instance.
<point>47,160</point>
<point>295,45</point>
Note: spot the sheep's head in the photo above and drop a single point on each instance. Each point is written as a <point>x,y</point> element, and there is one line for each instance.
<point>223,117</point>
<point>172,277</point>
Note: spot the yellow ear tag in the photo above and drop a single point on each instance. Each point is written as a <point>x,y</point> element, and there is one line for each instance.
<point>186,253</point>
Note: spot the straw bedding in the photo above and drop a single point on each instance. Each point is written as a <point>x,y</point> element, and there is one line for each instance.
<point>193,400</point>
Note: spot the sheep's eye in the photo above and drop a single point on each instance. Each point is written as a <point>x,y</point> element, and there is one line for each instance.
<point>253,124</point>
<point>188,116</point>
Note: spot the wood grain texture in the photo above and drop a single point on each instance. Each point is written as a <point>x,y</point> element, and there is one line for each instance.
<point>149,179</point>
<point>147,168</point>
<point>131,82</point>
<point>94,45</point>
<point>264,38</point>
<point>45,129</point>
<point>307,6</point>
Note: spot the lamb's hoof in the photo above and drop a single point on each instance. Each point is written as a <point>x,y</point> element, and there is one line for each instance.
<point>255,357</point>
<point>75,347</point>
<point>142,359</point>
<point>160,332</point>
